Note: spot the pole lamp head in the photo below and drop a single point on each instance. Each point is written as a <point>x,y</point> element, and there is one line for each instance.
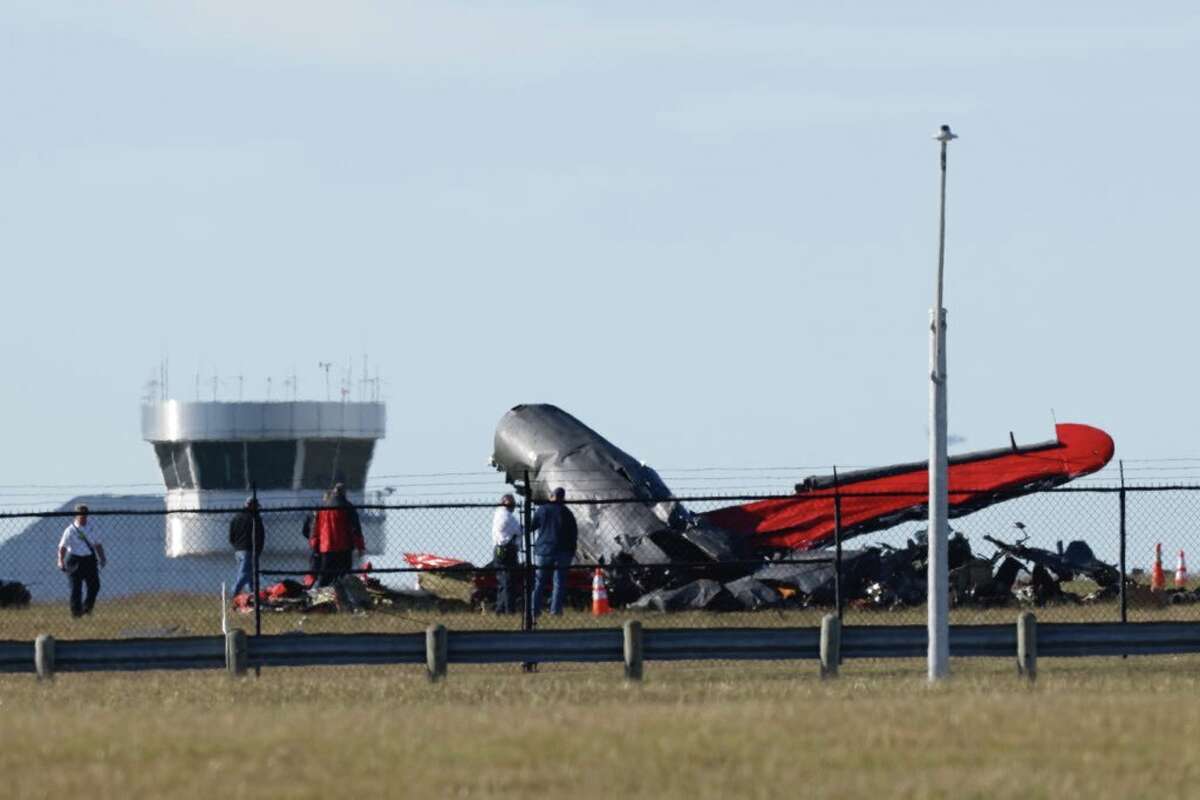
<point>945,134</point>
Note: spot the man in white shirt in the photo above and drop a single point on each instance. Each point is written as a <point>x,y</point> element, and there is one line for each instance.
<point>80,555</point>
<point>506,532</point>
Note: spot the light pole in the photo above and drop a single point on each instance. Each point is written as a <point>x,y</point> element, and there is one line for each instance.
<point>938,532</point>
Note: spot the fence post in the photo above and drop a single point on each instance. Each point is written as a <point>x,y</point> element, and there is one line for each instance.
<point>831,645</point>
<point>1122,536</point>
<point>254,517</point>
<point>632,630</point>
<point>236,652</point>
<point>435,651</point>
<point>527,574</point>
<point>257,566</point>
<point>837,544</point>
<point>43,656</point>
<point>1027,645</point>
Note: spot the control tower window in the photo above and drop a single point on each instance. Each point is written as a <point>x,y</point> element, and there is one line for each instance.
<point>221,464</point>
<point>328,461</point>
<point>271,464</point>
<point>173,461</point>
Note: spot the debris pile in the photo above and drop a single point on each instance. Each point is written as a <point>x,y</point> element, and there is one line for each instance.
<point>14,594</point>
<point>875,577</point>
<point>354,593</point>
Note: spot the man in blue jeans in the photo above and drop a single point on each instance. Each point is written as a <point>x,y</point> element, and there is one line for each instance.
<point>246,532</point>
<point>554,549</point>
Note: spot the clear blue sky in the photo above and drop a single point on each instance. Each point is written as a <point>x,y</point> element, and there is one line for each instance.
<point>708,231</point>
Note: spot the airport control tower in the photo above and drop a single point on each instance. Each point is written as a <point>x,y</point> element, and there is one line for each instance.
<point>211,453</point>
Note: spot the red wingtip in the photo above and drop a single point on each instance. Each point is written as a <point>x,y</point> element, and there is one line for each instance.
<point>1086,449</point>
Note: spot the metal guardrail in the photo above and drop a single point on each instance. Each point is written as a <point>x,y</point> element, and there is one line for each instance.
<point>16,656</point>
<point>910,641</point>
<point>1115,639</point>
<point>333,649</point>
<point>765,644</point>
<point>439,647</point>
<point>524,647</point>
<point>100,655</point>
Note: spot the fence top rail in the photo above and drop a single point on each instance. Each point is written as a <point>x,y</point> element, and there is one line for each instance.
<point>821,494</point>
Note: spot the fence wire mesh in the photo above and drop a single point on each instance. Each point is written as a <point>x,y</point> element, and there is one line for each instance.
<point>172,573</point>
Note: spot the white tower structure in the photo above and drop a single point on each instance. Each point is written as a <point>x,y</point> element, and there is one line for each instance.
<point>211,453</point>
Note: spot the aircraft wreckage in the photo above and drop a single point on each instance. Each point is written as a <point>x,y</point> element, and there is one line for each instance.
<point>659,554</point>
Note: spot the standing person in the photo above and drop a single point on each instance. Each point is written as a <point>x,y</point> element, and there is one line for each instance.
<point>506,530</point>
<point>81,555</point>
<point>314,555</point>
<point>554,549</point>
<point>336,533</point>
<point>245,532</point>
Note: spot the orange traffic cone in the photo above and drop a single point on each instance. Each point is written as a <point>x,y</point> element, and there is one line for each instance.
<point>1181,572</point>
<point>599,594</point>
<point>1158,581</point>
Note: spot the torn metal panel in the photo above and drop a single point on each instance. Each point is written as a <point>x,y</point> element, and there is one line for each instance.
<point>701,595</point>
<point>752,594</point>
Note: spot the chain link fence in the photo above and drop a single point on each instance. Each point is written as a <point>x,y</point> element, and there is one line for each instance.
<point>433,563</point>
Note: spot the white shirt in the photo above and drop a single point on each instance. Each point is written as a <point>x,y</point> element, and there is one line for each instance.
<point>505,527</point>
<point>73,542</point>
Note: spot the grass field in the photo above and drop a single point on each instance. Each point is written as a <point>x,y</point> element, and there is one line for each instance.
<point>1090,728</point>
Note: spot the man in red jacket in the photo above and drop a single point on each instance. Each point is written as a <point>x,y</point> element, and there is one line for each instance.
<point>336,532</point>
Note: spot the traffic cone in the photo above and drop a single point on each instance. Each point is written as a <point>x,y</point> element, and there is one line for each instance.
<point>1158,581</point>
<point>599,594</point>
<point>1181,572</point>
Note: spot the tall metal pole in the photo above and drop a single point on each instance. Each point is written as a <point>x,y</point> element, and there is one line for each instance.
<point>939,580</point>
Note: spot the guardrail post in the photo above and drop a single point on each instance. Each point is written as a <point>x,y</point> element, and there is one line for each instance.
<point>1027,645</point>
<point>435,651</point>
<point>237,656</point>
<point>43,656</point>
<point>632,630</point>
<point>831,645</point>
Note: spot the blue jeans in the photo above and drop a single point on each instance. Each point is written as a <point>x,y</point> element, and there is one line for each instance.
<point>245,572</point>
<point>559,563</point>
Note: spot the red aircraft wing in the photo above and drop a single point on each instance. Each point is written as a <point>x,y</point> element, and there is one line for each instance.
<point>879,498</point>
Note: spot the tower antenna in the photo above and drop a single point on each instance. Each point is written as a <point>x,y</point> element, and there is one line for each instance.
<point>325,365</point>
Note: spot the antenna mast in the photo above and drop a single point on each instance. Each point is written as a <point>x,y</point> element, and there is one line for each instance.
<point>325,365</point>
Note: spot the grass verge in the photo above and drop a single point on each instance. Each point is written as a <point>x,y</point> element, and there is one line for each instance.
<point>1091,727</point>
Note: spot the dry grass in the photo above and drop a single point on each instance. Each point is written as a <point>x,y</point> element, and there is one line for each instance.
<point>1094,728</point>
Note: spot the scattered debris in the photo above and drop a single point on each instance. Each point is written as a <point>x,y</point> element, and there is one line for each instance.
<point>14,594</point>
<point>349,594</point>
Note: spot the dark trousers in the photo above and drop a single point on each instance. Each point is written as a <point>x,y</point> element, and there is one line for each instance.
<point>505,562</point>
<point>82,570</point>
<point>334,565</point>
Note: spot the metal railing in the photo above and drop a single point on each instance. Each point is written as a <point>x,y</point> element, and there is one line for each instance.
<point>631,644</point>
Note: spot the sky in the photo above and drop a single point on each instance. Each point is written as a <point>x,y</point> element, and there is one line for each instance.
<point>708,230</point>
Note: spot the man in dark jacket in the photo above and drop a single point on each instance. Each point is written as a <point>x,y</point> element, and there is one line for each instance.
<point>554,549</point>
<point>246,532</point>
<point>336,533</point>
<point>314,555</point>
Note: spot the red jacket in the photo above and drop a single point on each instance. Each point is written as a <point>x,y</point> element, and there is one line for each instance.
<point>335,530</point>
